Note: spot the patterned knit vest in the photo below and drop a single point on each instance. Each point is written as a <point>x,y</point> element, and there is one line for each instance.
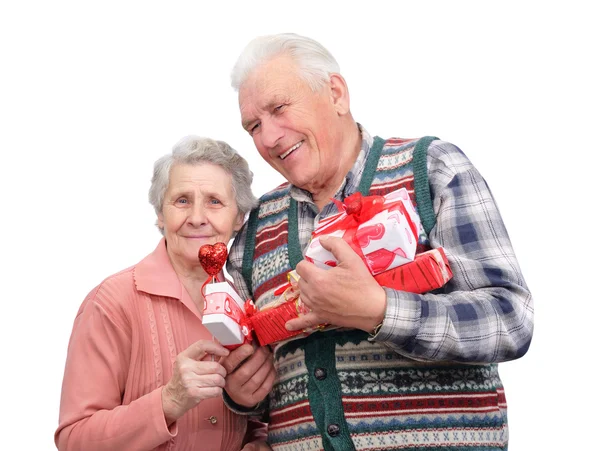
<point>338,390</point>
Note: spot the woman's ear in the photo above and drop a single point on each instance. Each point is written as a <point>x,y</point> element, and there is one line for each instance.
<point>160,221</point>
<point>239,222</point>
<point>339,94</point>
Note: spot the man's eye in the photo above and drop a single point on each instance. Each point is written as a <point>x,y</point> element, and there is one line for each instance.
<point>252,129</point>
<point>278,108</point>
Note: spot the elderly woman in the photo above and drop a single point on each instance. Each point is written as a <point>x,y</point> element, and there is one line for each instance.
<point>142,372</point>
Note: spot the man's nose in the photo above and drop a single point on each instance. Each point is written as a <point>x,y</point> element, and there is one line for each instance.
<point>271,133</point>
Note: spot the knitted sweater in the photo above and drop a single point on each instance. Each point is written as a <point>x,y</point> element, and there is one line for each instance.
<point>126,336</point>
<point>340,390</point>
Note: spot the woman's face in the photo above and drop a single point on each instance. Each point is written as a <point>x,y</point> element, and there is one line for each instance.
<point>199,208</point>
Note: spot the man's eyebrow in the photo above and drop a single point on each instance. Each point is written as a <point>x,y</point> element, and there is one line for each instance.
<point>274,103</point>
<point>246,123</point>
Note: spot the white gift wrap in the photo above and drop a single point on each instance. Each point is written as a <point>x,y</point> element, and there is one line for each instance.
<point>386,240</point>
<point>218,300</point>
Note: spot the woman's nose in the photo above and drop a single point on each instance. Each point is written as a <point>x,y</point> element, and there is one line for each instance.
<point>197,215</point>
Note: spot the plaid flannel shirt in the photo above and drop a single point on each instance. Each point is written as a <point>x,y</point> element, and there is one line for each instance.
<point>485,312</point>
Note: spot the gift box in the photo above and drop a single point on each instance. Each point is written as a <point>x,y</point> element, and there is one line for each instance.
<point>382,230</point>
<point>224,314</point>
<point>430,270</point>
<point>269,323</point>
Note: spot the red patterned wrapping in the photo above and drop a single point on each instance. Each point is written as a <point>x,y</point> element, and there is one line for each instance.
<point>429,270</point>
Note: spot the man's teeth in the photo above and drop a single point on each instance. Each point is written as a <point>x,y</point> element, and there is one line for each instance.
<point>291,150</point>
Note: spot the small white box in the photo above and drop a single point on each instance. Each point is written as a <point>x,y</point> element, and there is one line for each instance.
<point>221,317</point>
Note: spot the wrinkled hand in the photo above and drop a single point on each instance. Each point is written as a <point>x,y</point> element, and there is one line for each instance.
<point>248,383</point>
<point>193,379</point>
<point>346,295</point>
<point>257,446</point>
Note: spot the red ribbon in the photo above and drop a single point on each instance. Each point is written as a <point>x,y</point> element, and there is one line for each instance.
<point>210,279</point>
<point>358,209</point>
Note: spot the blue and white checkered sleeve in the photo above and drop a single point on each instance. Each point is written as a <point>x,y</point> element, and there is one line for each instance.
<point>485,312</point>
<point>235,260</point>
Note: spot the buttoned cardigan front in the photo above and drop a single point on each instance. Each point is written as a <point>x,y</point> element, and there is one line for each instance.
<point>126,335</point>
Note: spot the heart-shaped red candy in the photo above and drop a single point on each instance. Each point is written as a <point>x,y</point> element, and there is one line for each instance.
<point>212,257</point>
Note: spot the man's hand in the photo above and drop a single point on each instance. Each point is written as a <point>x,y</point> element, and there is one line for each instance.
<point>250,374</point>
<point>346,295</point>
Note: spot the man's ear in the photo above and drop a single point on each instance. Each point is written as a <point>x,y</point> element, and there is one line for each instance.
<point>339,94</point>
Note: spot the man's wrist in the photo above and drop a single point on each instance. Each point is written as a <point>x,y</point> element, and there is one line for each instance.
<point>243,410</point>
<point>376,329</point>
<point>380,306</point>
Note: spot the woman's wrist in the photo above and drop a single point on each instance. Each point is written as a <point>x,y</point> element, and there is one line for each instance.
<point>169,407</point>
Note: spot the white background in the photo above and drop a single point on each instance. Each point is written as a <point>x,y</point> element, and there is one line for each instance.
<point>92,94</point>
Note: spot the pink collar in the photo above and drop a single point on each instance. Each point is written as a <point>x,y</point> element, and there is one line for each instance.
<point>155,274</point>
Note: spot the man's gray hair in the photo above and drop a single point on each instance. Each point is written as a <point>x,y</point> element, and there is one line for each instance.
<point>314,61</point>
<point>196,150</point>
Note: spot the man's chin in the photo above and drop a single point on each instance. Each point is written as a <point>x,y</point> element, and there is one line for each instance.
<point>302,180</point>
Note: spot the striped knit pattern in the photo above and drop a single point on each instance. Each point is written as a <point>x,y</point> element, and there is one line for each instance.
<point>271,263</point>
<point>379,399</point>
<point>390,402</point>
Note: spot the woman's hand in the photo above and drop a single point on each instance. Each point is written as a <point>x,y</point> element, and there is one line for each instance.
<point>193,379</point>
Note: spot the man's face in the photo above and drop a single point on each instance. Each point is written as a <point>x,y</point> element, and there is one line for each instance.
<point>297,131</point>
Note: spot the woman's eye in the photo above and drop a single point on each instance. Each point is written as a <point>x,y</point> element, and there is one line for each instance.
<point>215,202</point>
<point>182,200</point>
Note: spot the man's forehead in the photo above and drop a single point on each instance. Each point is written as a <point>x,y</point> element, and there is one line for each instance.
<point>263,99</point>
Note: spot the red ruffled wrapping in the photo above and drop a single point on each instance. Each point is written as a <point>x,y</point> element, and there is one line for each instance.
<point>269,325</point>
<point>430,270</point>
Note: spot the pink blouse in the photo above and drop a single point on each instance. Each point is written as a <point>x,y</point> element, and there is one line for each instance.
<point>125,338</point>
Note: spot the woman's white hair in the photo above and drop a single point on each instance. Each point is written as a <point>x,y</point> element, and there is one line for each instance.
<point>196,150</point>
<point>314,61</point>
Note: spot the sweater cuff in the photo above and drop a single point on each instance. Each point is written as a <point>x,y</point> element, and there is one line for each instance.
<point>158,417</point>
<point>241,410</point>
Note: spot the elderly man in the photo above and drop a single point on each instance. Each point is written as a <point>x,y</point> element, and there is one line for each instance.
<point>403,370</point>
